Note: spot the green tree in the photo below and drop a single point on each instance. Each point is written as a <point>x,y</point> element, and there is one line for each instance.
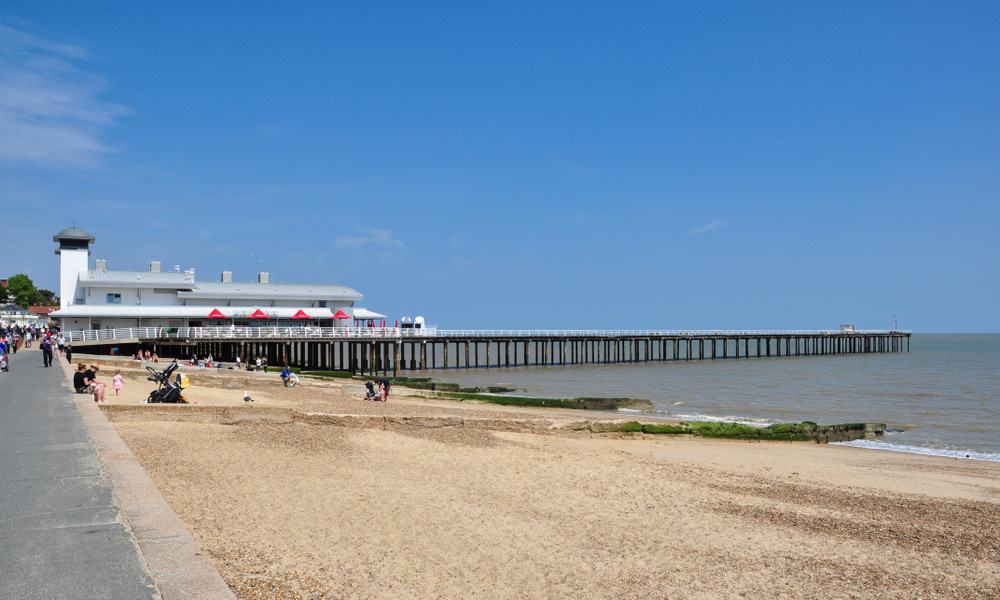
<point>4,295</point>
<point>49,297</point>
<point>23,290</point>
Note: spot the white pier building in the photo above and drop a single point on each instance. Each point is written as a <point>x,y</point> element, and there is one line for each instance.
<point>95,297</point>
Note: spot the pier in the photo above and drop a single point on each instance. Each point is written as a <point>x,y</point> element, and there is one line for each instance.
<point>392,350</point>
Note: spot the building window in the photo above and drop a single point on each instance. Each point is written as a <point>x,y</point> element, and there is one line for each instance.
<point>114,299</point>
<point>322,303</point>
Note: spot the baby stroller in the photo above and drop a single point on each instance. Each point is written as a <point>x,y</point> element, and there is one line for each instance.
<point>167,392</point>
<point>4,366</point>
<point>370,393</point>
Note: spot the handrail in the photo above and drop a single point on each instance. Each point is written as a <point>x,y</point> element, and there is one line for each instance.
<point>131,334</point>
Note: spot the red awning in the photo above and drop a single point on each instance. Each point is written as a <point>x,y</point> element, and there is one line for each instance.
<point>341,315</point>
<point>259,314</point>
<point>216,314</point>
<point>301,315</point>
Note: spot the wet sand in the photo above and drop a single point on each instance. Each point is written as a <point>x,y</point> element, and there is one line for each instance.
<point>306,510</point>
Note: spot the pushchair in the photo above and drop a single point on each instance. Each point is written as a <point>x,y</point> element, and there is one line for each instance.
<point>167,391</point>
<point>370,393</point>
<point>4,366</point>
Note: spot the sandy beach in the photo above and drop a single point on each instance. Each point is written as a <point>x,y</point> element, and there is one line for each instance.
<point>312,510</point>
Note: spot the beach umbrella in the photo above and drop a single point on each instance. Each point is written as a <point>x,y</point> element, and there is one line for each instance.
<point>301,315</point>
<point>341,315</point>
<point>216,314</point>
<point>259,314</point>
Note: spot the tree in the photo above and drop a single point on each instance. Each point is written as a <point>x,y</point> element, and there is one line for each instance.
<point>4,295</point>
<point>23,291</point>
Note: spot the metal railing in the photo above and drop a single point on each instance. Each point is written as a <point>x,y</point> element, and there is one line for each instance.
<point>131,334</point>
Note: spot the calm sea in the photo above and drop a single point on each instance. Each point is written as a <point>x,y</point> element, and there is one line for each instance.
<point>942,397</point>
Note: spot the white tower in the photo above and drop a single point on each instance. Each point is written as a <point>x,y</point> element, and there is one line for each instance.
<point>74,253</point>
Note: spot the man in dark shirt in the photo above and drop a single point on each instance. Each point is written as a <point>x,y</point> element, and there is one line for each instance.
<point>47,352</point>
<point>78,380</point>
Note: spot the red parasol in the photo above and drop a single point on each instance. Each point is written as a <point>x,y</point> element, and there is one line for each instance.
<point>301,315</point>
<point>341,315</point>
<point>216,314</point>
<point>259,314</point>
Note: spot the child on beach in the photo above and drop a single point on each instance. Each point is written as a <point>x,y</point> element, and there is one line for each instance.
<point>119,383</point>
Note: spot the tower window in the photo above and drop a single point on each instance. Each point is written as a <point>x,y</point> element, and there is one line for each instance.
<point>114,299</point>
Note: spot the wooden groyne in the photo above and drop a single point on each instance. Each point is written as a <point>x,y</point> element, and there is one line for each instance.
<point>390,351</point>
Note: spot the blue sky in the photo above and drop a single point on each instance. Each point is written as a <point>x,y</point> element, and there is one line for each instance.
<point>524,164</point>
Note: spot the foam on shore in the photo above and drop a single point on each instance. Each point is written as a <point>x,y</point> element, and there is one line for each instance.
<point>947,453</point>
<point>713,419</point>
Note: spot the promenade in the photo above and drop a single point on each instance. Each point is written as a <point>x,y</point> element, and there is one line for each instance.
<point>62,534</point>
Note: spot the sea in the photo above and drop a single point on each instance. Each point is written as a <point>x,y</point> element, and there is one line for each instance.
<point>940,398</point>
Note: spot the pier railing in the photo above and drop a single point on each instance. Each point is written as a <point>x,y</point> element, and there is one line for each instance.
<point>133,334</point>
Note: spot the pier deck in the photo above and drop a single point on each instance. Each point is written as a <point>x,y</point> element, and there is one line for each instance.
<point>391,350</point>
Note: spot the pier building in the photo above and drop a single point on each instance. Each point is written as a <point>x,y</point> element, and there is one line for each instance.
<point>95,297</point>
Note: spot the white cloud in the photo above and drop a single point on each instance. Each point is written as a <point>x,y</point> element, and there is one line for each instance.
<point>51,113</point>
<point>379,240</point>
<point>712,226</point>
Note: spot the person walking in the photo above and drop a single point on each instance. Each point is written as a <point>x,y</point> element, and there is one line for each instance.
<point>119,383</point>
<point>47,352</point>
<point>69,353</point>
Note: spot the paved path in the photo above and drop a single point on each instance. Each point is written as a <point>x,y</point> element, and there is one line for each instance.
<point>62,533</point>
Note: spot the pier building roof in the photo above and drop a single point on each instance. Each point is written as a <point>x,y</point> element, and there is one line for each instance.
<point>73,233</point>
<point>94,278</point>
<point>268,291</point>
<point>187,287</point>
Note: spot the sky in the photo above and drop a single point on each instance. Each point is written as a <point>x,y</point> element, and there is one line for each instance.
<point>523,164</point>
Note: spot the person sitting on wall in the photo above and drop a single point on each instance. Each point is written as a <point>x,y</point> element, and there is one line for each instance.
<point>79,384</point>
<point>90,379</point>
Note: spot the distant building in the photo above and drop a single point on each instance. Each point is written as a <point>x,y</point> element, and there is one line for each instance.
<point>99,298</point>
<point>12,314</point>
